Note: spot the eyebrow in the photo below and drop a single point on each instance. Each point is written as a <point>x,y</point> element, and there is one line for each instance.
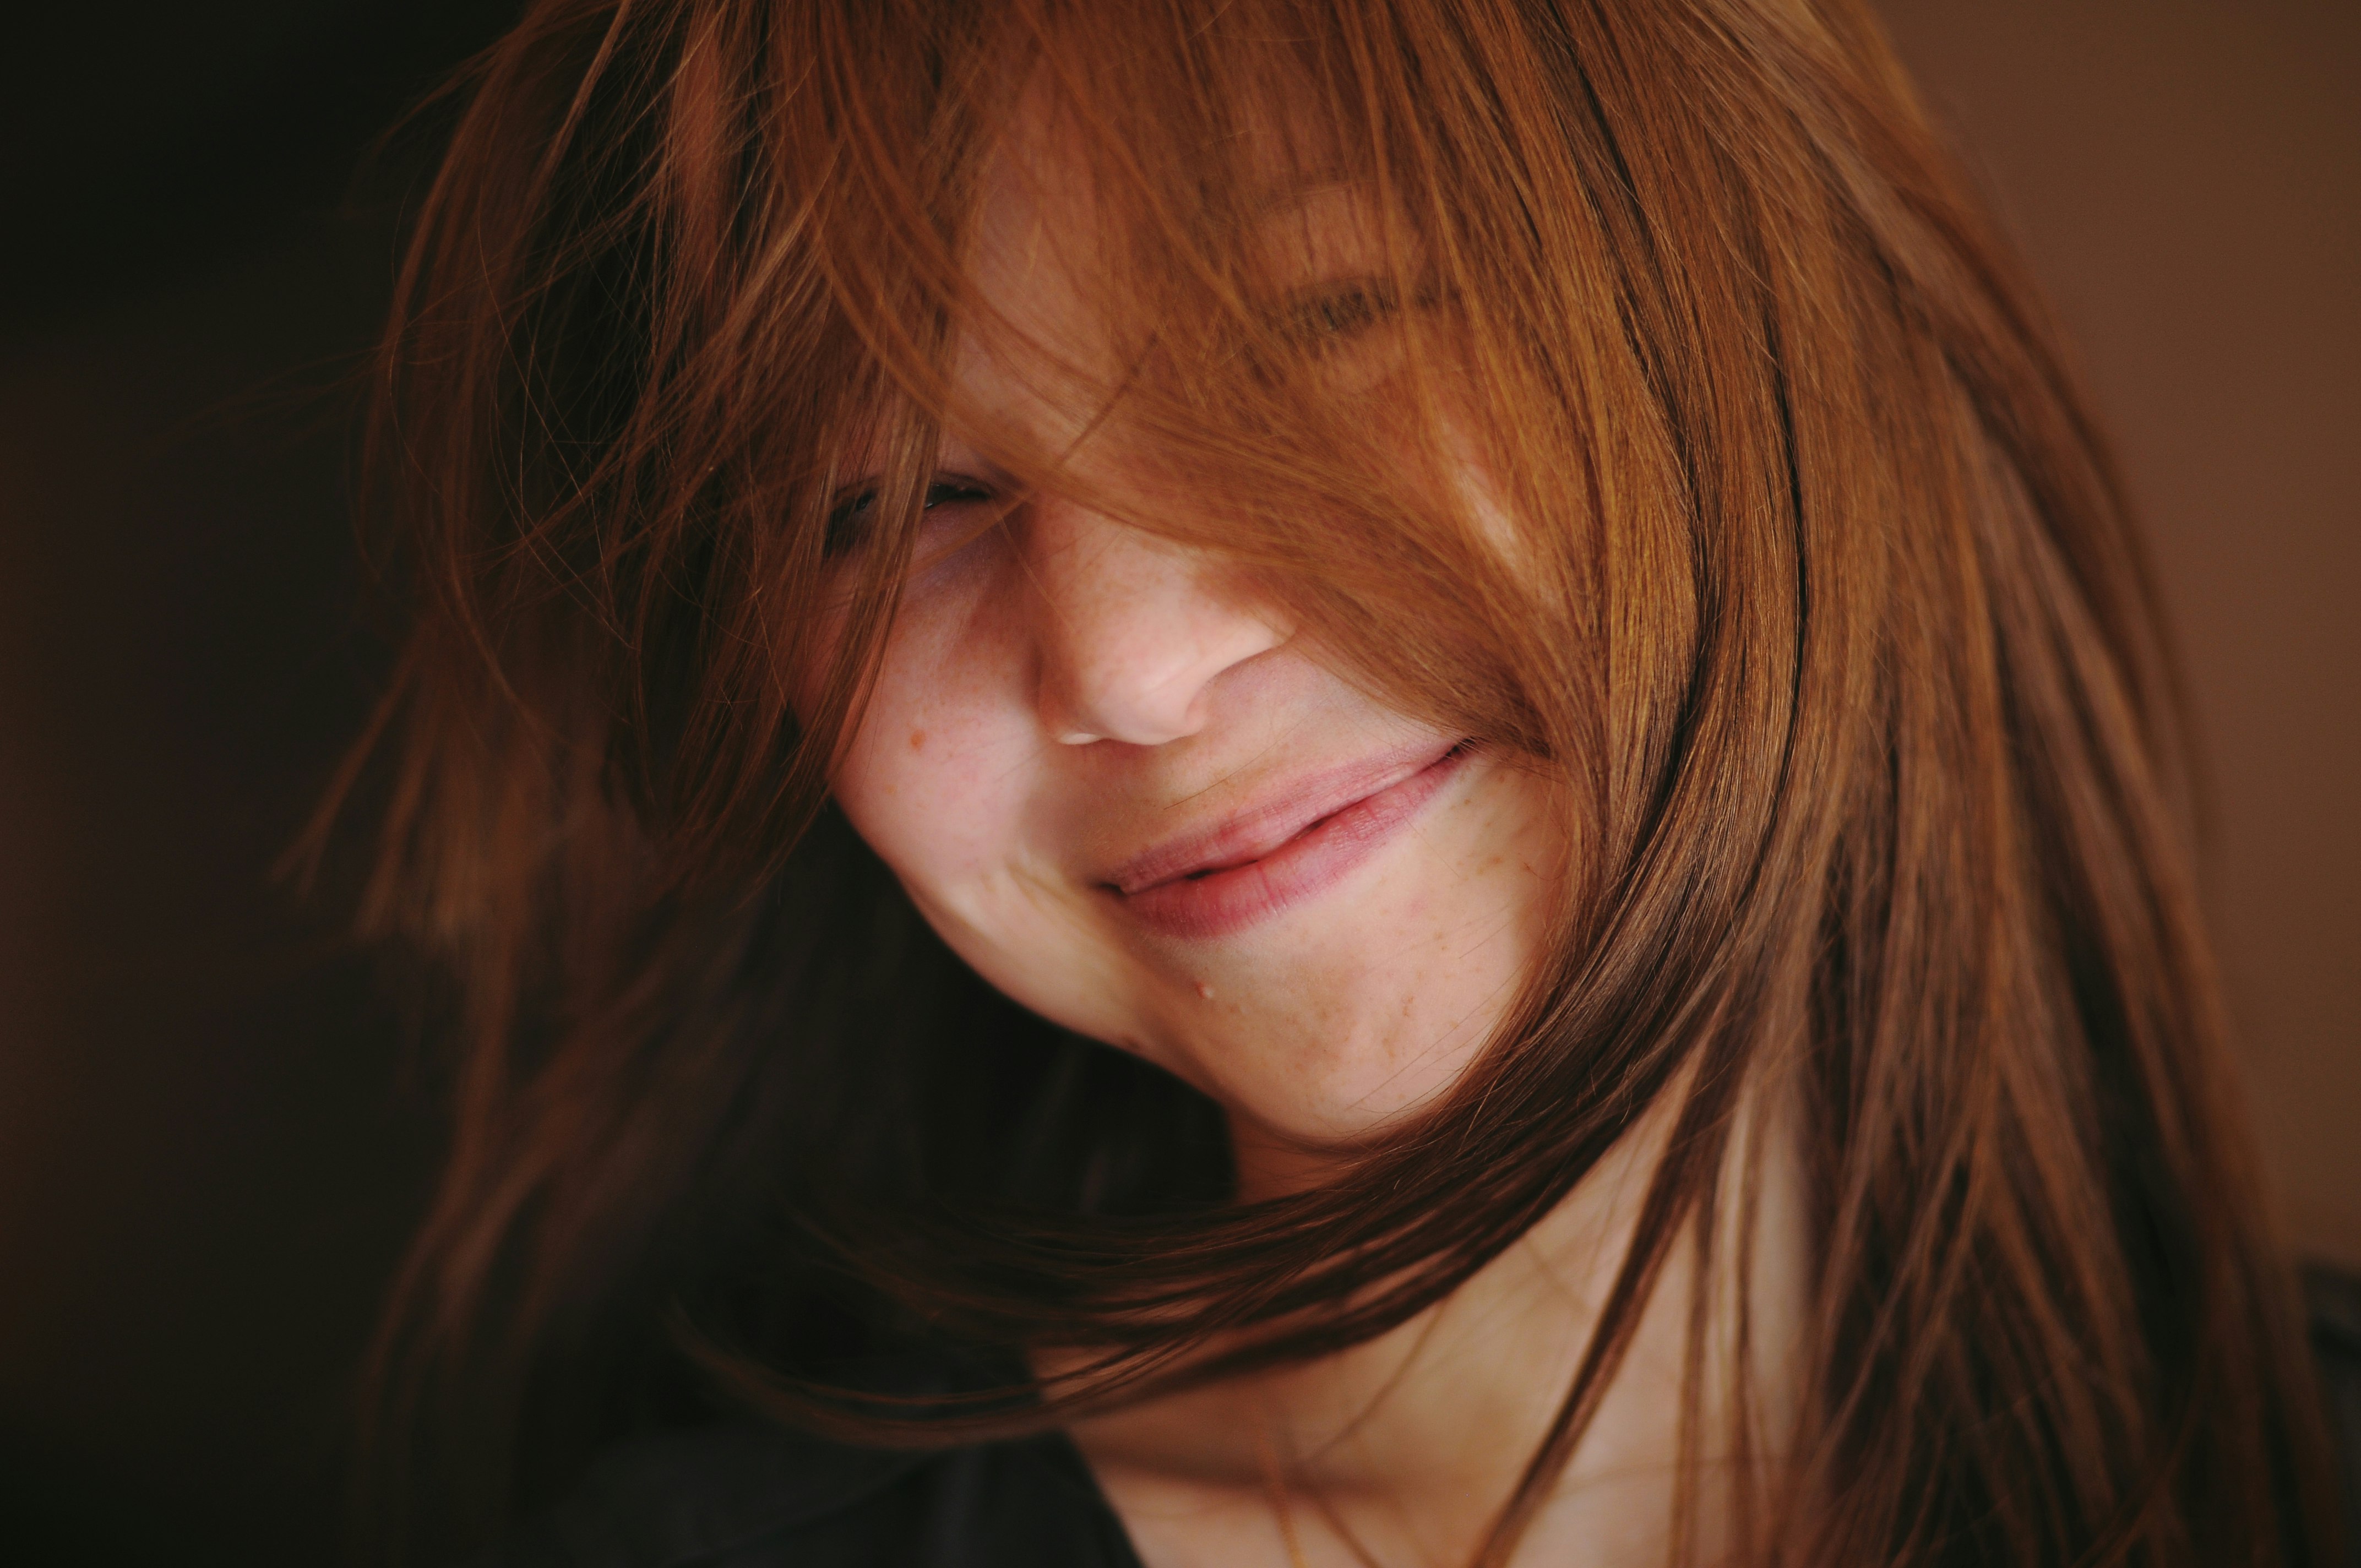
<point>1294,194</point>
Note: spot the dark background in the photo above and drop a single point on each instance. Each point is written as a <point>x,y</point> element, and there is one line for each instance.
<point>208,1153</point>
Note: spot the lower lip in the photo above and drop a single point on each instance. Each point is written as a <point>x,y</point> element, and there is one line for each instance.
<point>1219,903</point>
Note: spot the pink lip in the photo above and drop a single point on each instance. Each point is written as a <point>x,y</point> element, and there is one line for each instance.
<point>1279,853</point>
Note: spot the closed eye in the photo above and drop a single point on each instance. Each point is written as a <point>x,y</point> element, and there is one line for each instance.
<point>849,519</point>
<point>1336,315</point>
<point>1350,333</point>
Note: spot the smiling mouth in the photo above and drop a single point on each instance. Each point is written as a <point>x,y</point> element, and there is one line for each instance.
<point>1270,857</point>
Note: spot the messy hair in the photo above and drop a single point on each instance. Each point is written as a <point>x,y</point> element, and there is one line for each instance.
<point>1804,579</point>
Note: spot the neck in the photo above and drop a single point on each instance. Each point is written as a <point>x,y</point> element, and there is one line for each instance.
<point>1402,1450</point>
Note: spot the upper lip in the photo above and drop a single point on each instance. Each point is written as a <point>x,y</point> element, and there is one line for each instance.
<point>1276,815</point>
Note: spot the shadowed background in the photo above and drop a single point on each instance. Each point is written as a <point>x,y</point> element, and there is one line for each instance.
<point>208,1153</point>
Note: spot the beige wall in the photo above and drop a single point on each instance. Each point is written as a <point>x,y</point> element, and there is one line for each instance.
<point>2185,176</point>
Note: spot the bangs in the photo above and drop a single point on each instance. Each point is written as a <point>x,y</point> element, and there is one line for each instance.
<point>1288,341</point>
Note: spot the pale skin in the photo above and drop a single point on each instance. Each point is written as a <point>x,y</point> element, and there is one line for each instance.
<point>1064,693</point>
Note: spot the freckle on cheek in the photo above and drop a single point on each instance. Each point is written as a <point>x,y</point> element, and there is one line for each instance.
<point>917,740</point>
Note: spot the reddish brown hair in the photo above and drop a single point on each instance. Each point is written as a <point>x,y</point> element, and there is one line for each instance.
<point>1823,611</point>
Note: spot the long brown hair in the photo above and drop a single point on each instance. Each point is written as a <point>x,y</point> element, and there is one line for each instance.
<point>1822,611</point>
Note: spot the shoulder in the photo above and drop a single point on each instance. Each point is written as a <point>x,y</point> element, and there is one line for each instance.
<point>741,1495</point>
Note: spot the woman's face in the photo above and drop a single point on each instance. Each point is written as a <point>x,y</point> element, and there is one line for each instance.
<point>1128,791</point>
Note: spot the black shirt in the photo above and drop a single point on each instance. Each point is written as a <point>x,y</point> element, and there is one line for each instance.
<point>741,1495</point>
<point>746,1495</point>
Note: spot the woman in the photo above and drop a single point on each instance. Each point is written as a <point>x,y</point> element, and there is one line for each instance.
<point>1291,783</point>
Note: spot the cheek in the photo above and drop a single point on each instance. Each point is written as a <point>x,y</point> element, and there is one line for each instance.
<point>932,780</point>
<point>939,782</point>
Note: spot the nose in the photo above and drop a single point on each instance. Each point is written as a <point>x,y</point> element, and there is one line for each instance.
<point>1132,631</point>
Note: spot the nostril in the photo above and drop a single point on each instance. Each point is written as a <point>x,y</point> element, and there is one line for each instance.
<point>1143,697</point>
<point>1132,632</point>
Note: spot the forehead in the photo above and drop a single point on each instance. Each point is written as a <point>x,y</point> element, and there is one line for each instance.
<point>1045,248</point>
<point>1038,229</point>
